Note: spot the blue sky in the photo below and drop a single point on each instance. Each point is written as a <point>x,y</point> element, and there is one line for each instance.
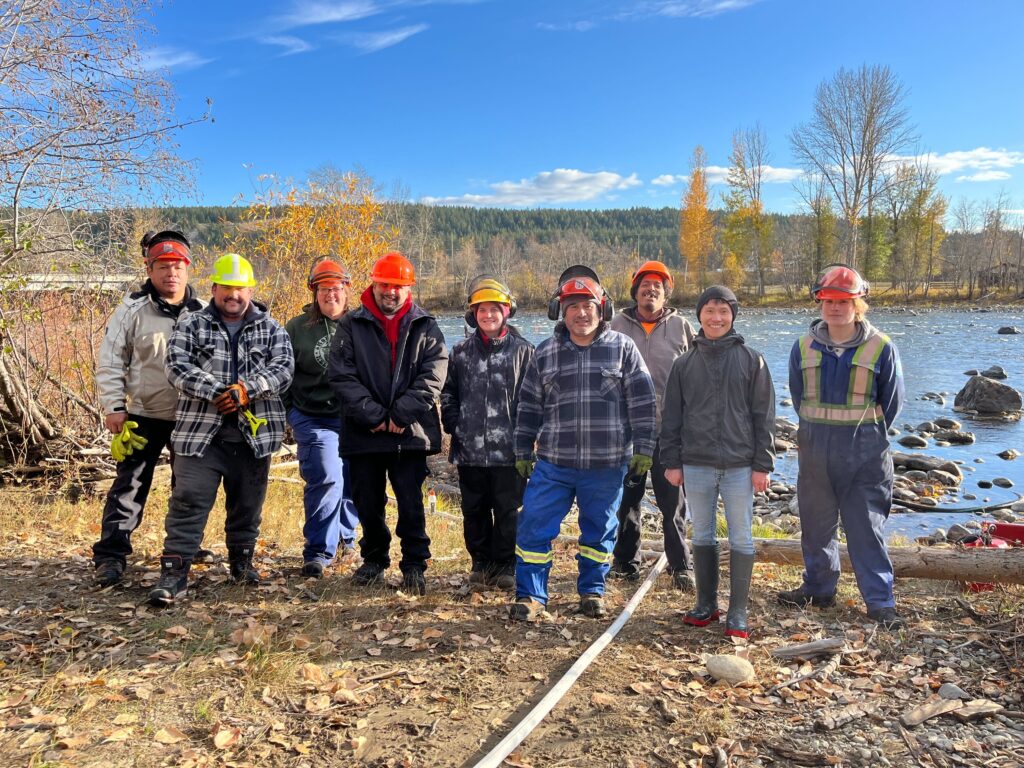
<point>574,103</point>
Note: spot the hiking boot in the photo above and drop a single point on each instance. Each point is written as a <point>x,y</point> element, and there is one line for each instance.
<point>525,609</point>
<point>887,618</point>
<point>705,567</point>
<point>173,581</point>
<point>414,582</point>
<point>800,598</point>
<point>368,574</point>
<point>624,571</point>
<point>683,581</point>
<point>205,556</point>
<point>240,566</point>
<point>313,569</point>
<point>592,606</point>
<point>109,572</point>
<point>477,578</point>
<point>506,582</point>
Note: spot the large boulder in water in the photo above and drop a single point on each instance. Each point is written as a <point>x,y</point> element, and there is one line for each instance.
<point>987,396</point>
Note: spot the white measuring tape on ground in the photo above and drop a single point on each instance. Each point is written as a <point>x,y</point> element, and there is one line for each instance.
<point>517,735</point>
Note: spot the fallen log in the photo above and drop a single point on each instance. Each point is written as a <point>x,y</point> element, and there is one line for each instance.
<point>990,566</point>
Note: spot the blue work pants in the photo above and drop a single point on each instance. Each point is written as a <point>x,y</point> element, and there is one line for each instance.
<point>548,499</point>
<point>330,514</point>
<point>845,474</point>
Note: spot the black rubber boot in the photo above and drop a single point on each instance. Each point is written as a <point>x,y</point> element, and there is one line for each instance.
<point>173,581</point>
<point>240,566</point>
<point>705,568</point>
<point>741,567</point>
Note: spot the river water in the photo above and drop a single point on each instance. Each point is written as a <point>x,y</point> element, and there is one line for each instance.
<point>936,347</point>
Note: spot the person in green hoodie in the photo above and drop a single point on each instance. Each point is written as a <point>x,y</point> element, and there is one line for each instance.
<point>314,414</point>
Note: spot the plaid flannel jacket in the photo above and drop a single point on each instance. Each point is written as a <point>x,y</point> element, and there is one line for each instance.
<point>586,407</point>
<point>201,363</point>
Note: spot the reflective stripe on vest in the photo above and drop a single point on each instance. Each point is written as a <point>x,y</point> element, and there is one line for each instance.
<point>858,408</point>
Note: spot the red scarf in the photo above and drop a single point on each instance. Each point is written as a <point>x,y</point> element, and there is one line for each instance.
<point>390,324</point>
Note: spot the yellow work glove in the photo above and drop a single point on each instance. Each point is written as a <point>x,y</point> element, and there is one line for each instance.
<point>640,464</point>
<point>127,442</point>
<point>525,468</point>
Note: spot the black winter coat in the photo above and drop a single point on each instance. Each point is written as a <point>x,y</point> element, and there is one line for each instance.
<point>360,373</point>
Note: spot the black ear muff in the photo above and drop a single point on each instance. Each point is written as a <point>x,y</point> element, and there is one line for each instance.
<point>470,318</point>
<point>554,307</point>
<point>607,309</point>
<point>511,307</point>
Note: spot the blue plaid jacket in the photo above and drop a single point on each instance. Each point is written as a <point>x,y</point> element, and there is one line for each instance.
<point>201,362</point>
<point>586,407</point>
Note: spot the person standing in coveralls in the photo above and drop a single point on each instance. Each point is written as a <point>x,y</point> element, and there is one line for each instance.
<point>847,386</point>
<point>661,334</point>
<point>137,400</point>
<point>388,365</point>
<point>586,416</point>
<point>230,363</point>
<point>314,414</point>
<point>478,410</point>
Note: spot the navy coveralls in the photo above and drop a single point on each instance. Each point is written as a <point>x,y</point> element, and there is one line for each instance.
<point>846,400</point>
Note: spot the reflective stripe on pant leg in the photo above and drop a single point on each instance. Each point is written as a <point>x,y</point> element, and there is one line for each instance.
<point>598,493</point>
<point>546,502</point>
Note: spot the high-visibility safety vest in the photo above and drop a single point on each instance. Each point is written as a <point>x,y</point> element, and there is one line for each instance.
<point>859,408</point>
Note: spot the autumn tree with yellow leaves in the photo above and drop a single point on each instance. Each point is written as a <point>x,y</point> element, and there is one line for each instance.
<point>696,225</point>
<point>333,214</point>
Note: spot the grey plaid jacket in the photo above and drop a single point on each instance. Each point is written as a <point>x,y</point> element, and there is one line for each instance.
<point>201,362</point>
<point>586,407</point>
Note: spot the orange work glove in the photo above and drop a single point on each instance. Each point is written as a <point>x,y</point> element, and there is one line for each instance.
<point>232,398</point>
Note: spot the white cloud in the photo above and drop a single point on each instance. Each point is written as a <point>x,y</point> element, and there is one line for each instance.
<point>369,42</point>
<point>289,43</point>
<point>560,186</point>
<point>985,176</point>
<point>719,174</point>
<point>699,8</point>
<point>667,180</point>
<point>570,26</point>
<point>978,159</point>
<point>310,12</point>
<point>171,58</point>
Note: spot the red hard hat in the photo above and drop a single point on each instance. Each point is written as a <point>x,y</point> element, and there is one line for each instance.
<point>393,268</point>
<point>327,271</point>
<point>651,268</point>
<point>168,245</point>
<point>839,282</point>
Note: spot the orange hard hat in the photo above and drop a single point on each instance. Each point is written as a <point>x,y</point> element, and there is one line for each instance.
<point>327,271</point>
<point>651,268</point>
<point>393,268</point>
<point>839,281</point>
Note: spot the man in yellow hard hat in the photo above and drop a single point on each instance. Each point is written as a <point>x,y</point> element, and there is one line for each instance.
<point>230,363</point>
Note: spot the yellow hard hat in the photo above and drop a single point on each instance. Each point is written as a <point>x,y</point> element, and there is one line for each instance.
<point>488,289</point>
<point>232,269</point>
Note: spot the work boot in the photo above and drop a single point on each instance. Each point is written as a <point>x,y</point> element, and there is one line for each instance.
<point>624,571</point>
<point>173,581</point>
<point>240,566</point>
<point>800,597</point>
<point>204,556</point>
<point>477,577</point>
<point>525,609</point>
<point>705,568</point>
<point>313,569</point>
<point>887,618</point>
<point>414,582</point>
<point>504,579</point>
<point>741,567</point>
<point>368,574</point>
<point>109,572</point>
<point>592,606</point>
<point>683,581</point>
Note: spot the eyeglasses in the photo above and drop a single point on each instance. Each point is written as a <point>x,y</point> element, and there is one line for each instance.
<point>332,291</point>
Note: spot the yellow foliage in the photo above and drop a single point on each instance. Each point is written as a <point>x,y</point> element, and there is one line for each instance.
<point>334,214</point>
<point>733,273</point>
<point>696,226</point>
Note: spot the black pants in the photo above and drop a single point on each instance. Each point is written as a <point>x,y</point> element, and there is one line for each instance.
<point>197,480</point>
<point>126,499</point>
<point>369,474</point>
<point>671,502</point>
<point>491,497</point>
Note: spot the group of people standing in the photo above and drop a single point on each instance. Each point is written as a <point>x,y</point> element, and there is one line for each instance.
<point>584,417</point>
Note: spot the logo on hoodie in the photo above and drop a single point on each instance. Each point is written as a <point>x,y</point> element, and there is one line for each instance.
<point>322,350</point>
